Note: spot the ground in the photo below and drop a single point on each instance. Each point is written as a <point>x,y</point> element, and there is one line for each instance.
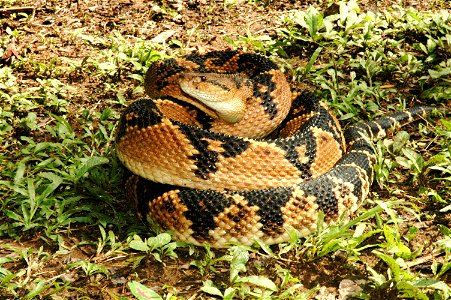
<point>67,33</point>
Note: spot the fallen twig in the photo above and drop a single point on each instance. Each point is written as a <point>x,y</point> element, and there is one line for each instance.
<point>17,9</point>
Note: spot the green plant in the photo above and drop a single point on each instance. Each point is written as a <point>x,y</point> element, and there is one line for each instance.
<point>89,268</point>
<point>253,285</point>
<point>159,246</point>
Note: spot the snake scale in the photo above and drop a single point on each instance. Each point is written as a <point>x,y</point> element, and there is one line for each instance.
<point>224,152</point>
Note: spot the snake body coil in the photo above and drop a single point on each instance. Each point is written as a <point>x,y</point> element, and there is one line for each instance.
<point>208,174</point>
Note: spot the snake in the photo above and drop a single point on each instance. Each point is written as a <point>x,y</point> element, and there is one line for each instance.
<point>222,151</point>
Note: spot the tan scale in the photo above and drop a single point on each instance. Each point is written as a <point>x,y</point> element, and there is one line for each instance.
<point>300,212</point>
<point>171,166</point>
<point>348,202</point>
<point>175,111</point>
<point>336,127</point>
<point>260,166</point>
<point>302,154</point>
<point>242,231</point>
<point>292,126</point>
<point>168,211</point>
<point>266,167</point>
<point>328,151</point>
<point>230,66</point>
<point>214,145</point>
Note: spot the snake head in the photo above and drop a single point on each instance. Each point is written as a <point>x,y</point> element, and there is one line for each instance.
<point>221,96</point>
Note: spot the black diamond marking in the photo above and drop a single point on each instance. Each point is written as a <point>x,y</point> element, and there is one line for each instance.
<point>144,113</point>
<point>329,125</point>
<point>322,190</point>
<point>233,146</point>
<point>147,191</point>
<point>241,214</point>
<point>358,154</point>
<point>323,187</point>
<point>161,71</point>
<point>206,160</point>
<point>270,203</point>
<point>254,64</point>
<point>265,94</point>
<point>202,211</point>
<point>305,103</point>
<point>204,119</point>
<point>218,58</point>
<point>293,156</point>
<point>321,119</point>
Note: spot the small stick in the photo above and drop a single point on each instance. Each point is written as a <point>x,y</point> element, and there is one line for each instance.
<point>424,259</point>
<point>12,10</point>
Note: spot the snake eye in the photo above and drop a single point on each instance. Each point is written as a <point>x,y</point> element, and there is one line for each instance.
<point>203,78</point>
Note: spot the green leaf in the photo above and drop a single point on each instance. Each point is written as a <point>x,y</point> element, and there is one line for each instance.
<point>240,256</point>
<point>313,20</point>
<point>159,241</point>
<point>106,114</point>
<point>107,66</point>
<point>142,292</point>
<point>20,171</point>
<point>55,183</point>
<point>37,289</point>
<point>377,278</point>
<point>440,73</point>
<point>88,164</point>
<point>445,231</point>
<point>30,121</point>
<point>446,123</point>
<point>229,293</point>
<point>260,281</point>
<point>63,128</point>
<point>400,140</point>
<point>395,266</point>
<point>157,257</point>
<point>415,158</point>
<point>312,60</point>
<point>265,247</point>
<point>210,288</point>
<point>138,244</point>
<point>12,215</point>
<point>137,77</point>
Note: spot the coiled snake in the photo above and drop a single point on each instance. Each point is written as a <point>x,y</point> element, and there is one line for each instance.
<point>222,152</point>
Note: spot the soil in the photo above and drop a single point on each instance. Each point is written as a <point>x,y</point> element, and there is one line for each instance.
<point>179,27</point>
